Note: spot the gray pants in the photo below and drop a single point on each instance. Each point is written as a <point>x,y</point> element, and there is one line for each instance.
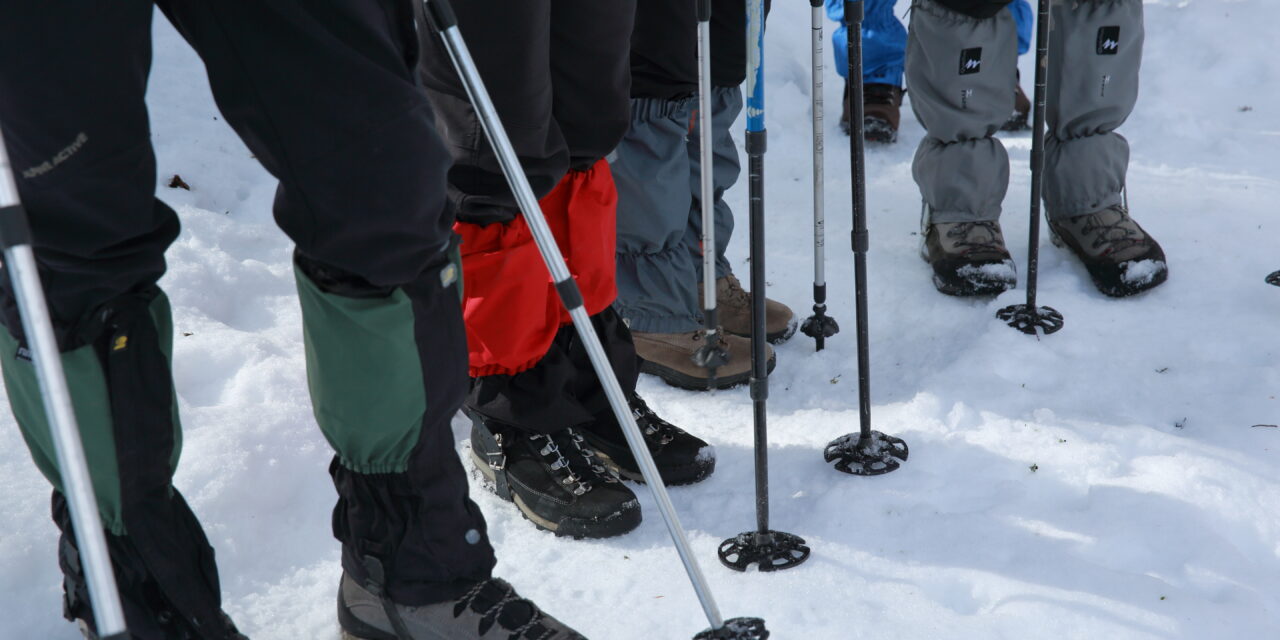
<point>657,171</point>
<point>960,72</point>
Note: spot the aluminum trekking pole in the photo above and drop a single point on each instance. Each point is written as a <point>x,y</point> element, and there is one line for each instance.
<point>769,550</point>
<point>1028,318</point>
<point>712,354</point>
<point>866,453</point>
<point>818,326</point>
<point>443,21</point>
<point>77,486</point>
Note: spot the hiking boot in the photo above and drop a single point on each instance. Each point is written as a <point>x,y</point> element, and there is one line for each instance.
<point>166,621</point>
<point>556,481</point>
<point>681,458</point>
<point>670,356</point>
<point>969,258</point>
<point>881,112</point>
<point>1121,258</point>
<point>1019,120</point>
<point>490,610</point>
<point>733,307</point>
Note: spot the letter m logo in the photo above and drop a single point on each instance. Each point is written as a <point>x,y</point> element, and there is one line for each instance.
<point>1108,41</point>
<point>970,61</point>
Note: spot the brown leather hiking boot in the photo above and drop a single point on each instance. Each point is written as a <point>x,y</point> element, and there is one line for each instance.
<point>969,258</point>
<point>881,112</point>
<point>670,357</point>
<point>733,306</point>
<point>1121,258</point>
<point>1019,120</point>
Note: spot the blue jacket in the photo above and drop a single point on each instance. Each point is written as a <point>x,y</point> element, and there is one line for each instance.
<point>884,39</point>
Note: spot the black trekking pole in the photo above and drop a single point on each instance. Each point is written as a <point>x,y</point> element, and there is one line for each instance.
<point>1274,279</point>
<point>712,354</point>
<point>77,486</point>
<point>440,15</point>
<point>1028,318</point>
<point>866,453</point>
<point>818,326</point>
<point>769,550</point>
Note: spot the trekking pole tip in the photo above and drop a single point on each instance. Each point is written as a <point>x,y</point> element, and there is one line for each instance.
<point>1031,320</point>
<point>768,550</point>
<point>820,326</point>
<point>737,629</point>
<point>873,455</point>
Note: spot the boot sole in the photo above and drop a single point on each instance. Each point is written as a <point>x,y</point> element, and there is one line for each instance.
<point>970,291</point>
<point>671,476</point>
<point>618,524</point>
<point>1101,284</point>
<point>692,383</point>
<point>354,628</point>
<point>777,337</point>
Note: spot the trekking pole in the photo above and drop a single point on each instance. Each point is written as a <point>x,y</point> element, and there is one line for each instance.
<point>867,453</point>
<point>818,326</point>
<point>769,550</point>
<point>1028,318</point>
<point>443,21</point>
<point>1274,279</point>
<point>77,486</point>
<point>712,354</point>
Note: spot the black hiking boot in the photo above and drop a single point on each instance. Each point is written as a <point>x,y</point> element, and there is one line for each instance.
<point>558,482</point>
<point>969,258</point>
<point>491,610</point>
<point>680,457</point>
<point>1121,257</point>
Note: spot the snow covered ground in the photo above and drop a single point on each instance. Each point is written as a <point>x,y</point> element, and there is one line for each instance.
<point>1103,482</point>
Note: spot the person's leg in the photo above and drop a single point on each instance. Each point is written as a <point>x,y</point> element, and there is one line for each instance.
<point>657,256</point>
<point>365,204</point>
<point>79,142</point>
<point>732,302</point>
<point>1095,51</point>
<point>884,44</point>
<point>657,286</point>
<point>958,68</point>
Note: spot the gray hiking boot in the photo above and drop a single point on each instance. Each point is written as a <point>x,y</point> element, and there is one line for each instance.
<point>670,356</point>
<point>969,258</point>
<point>733,306</point>
<point>1121,258</point>
<point>491,610</point>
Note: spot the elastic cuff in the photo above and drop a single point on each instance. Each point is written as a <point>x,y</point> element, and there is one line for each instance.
<point>890,77</point>
<point>1084,206</point>
<point>372,469</point>
<point>936,216</point>
<point>648,323</point>
<point>646,109</point>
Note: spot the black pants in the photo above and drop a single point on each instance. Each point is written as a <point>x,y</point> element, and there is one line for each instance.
<point>325,95</point>
<point>664,47</point>
<point>558,73</point>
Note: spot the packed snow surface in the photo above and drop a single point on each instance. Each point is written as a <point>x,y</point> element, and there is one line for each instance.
<point>1106,481</point>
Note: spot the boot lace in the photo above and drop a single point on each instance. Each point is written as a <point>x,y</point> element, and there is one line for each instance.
<point>581,469</point>
<point>1117,235</point>
<point>489,616</point>
<point>969,236</point>
<point>657,432</point>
